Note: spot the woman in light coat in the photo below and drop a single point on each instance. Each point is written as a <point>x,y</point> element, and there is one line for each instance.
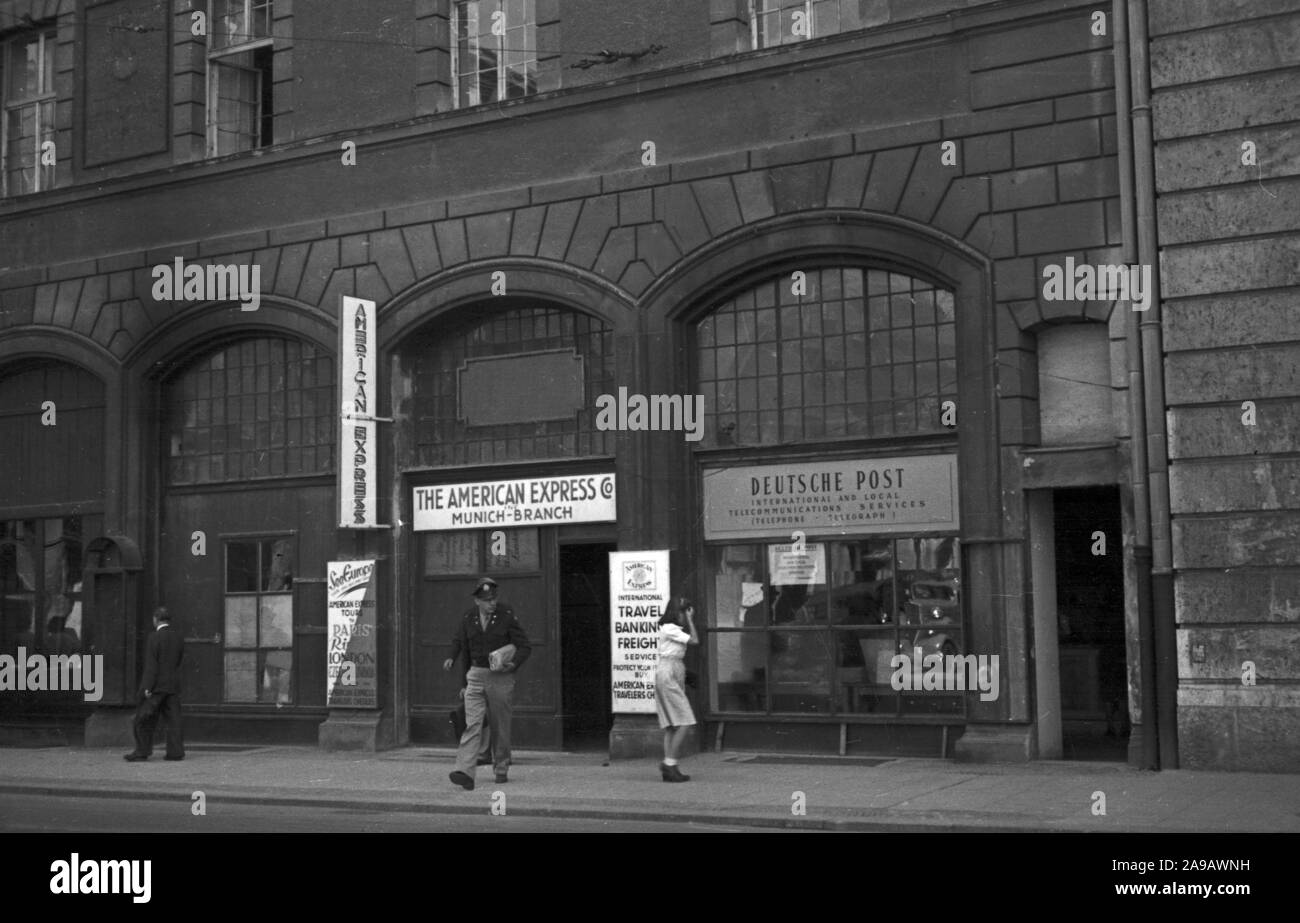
<point>676,631</point>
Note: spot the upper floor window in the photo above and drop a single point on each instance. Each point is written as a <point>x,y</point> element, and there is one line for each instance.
<point>27,130</point>
<point>780,22</point>
<point>240,95</point>
<point>855,353</point>
<point>494,50</point>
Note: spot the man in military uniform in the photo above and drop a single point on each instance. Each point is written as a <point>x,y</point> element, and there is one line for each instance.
<point>490,683</point>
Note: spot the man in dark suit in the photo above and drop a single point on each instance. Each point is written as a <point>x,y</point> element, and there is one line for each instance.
<point>160,691</point>
<point>490,682</point>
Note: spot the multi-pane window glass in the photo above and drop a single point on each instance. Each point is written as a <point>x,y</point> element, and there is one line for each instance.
<point>780,22</point>
<point>851,352</point>
<point>240,92</point>
<point>41,563</point>
<point>258,629</point>
<point>821,641</point>
<point>256,408</point>
<point>239,22</point>
<point>494,54</point>
<point>27,130</point>
<point>471,551</point>
<point>444,439</point>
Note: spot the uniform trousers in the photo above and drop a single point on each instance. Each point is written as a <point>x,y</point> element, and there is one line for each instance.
<point>488,706</point>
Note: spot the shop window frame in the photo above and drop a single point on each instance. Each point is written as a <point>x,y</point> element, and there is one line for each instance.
<point>259,650</point>
<point>838,693</point>
<point>43,596</point>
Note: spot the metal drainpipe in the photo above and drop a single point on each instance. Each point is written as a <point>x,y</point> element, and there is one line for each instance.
<point>1162,575</point>
<point>1145,755</point>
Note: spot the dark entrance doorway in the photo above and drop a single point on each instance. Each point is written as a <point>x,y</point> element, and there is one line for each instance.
<point>1090,619</point>
<point>584,645</point>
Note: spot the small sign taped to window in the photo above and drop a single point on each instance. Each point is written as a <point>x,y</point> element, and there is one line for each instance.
<point>791,567</point>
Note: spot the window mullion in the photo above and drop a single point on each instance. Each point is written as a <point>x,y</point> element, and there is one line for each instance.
<point>501,68</point>
<point>36,146</point>
<point>454,42</point>
<point>4,120</point>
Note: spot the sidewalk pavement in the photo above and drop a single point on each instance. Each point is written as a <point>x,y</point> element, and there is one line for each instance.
<point>728,788</point>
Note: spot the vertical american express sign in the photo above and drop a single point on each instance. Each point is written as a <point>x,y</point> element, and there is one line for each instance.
<point>358,501</point>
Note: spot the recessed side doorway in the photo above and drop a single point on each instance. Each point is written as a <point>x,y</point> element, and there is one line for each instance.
<point>586,715</point>
<point>1088,547</point>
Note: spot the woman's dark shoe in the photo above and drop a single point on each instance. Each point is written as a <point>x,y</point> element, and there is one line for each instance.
<point>672,773</point>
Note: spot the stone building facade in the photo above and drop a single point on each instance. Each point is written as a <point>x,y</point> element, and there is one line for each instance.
<point>922,165</point>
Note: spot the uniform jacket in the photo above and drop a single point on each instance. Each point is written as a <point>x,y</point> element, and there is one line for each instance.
<point>163,653</point>
<point>503,628</point>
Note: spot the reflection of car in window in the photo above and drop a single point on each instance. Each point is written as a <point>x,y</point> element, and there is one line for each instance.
<point>857,603</point>
<point>934,606</point>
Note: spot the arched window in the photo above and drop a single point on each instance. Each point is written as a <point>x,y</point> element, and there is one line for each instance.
<point>254,409</point>
<point>841,351</point>
<point>517,384</point>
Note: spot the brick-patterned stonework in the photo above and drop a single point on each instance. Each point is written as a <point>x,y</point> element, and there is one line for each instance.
<point>1223,74</point>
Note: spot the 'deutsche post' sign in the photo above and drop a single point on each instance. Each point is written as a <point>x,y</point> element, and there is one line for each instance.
<point>352,667</point>
<point>916,494</point>
<point>638,595</point>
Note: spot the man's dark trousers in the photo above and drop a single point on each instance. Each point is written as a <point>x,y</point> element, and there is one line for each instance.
<point>168,707</point>
<point>160,690</point>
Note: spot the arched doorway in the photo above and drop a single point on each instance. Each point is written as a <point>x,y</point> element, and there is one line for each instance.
<point>495,392</point>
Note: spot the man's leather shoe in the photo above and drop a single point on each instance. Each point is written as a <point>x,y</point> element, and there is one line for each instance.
<point>501,778</point>
<point>463,779</point>
<point>485,761</point>
<point>135,758</point>
<point>174,759</point>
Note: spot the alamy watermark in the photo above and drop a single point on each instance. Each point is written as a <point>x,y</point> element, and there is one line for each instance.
<point>1104,282</point>
<point>176,281</point>
<point>103,876</point>
<point>936,672</point>
<point>659,412</point>
<point>53,673</point>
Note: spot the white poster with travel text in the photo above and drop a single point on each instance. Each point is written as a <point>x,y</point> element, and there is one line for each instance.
<point>638,594</point>
<point>352,666</point>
